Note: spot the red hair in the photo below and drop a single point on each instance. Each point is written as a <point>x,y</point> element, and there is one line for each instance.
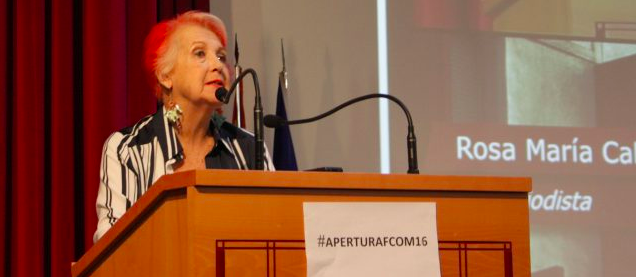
<point>159,51</point>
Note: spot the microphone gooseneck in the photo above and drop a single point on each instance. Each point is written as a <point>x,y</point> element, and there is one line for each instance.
<point>273,121</point>
<point>224,95</point>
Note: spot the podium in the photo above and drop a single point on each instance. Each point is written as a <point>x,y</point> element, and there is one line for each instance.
<point>250,223</point>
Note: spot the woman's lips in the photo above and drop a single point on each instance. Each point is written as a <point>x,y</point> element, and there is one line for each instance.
<point>217,82</point>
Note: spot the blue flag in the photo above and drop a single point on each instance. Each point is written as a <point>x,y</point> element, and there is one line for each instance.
<point>284,156</point>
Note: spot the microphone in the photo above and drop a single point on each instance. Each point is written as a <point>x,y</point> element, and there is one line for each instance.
<point>223,95</point>
<point>274,121</point>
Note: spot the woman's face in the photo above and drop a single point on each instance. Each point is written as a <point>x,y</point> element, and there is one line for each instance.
<point>199,68</point>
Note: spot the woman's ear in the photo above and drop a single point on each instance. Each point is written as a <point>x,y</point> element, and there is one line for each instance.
<point>164,80</point>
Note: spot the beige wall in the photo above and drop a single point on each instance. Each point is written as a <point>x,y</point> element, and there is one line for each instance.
<point>331,55</point>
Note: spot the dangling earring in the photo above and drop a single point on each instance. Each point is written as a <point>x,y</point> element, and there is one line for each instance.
<point>173,114</point>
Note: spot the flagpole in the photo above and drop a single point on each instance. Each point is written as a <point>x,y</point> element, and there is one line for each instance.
<point>283,74</point>
<point>238,118</point>
<point>284,157</point>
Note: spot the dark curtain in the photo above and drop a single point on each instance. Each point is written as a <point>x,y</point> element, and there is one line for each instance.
<point>70,74</point>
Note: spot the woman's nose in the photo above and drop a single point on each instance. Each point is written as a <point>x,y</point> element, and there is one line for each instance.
<point>216,64</point>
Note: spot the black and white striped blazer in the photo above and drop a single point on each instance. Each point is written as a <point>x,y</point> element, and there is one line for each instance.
<point>135,157</point>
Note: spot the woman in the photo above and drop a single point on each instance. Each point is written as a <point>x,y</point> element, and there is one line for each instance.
<point>184,59</point>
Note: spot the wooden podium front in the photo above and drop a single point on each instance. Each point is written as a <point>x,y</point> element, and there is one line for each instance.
<point>249,223</point>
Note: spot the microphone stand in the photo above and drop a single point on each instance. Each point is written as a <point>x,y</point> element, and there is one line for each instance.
<point>274,121</point>
<point>224,96</point>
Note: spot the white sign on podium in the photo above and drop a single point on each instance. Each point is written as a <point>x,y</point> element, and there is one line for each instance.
<point>371,239</point>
